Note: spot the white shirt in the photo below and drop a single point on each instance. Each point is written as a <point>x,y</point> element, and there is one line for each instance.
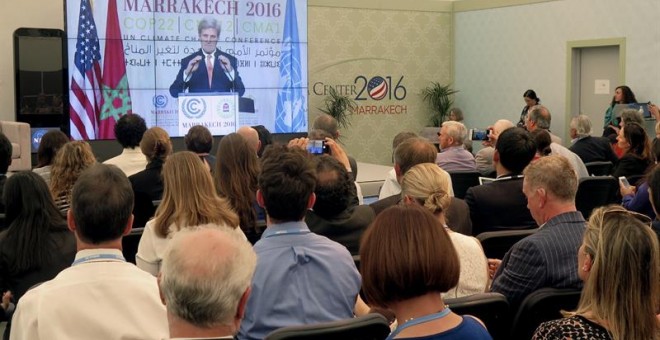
<point>575,160</point>
<point>102,298</point>
<point>391,186</point>
<point>130,161</point>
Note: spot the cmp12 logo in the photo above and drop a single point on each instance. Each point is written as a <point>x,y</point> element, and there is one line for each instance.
<point>378,88</point>
<point>193,108</point>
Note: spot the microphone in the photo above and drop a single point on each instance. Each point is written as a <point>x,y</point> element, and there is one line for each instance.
<point>227,72</point>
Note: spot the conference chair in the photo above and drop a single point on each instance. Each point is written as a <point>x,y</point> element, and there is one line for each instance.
<point>542,305</point>
<point>599,168</point>
<point>594,192</point>
<point>130,242</point>
<point>461,181</point>
<point>491,308</point>
<point>497,243</point>
<point>368,327</point>
<point>19,136</point>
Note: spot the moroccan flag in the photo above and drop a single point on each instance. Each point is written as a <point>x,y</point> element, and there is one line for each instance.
<point>116,96</point>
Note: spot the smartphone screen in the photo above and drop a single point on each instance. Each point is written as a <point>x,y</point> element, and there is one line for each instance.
<point>316,147</point>
<point>624,181</point>
<point>478,134</point>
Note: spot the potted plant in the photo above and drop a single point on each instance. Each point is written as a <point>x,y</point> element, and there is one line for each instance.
<point>339,107</point>
<point>439,100</point>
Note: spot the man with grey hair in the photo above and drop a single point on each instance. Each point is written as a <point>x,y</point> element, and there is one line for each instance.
<point>588,148</point>
<point>251,136</point>
<point>209,69</point>
<point>484,158</point>
<point>391,185</point>
<point>205,282</point>
<point>453,156</point>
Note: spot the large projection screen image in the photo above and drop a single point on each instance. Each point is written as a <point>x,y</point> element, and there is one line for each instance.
<point>166,59</point>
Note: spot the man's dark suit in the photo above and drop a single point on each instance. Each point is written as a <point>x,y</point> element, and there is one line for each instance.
<point>499,205</point>
<point>594,149</point>
<point>457,216</point>
<point>548,258</point>
<point>199,80</point>
<point>345,228</point>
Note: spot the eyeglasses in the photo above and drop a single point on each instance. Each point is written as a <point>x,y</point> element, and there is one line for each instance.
<point>620,210</point>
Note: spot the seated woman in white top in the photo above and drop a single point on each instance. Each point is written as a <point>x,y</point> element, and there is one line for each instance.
<point>189,199</point>
<point>427,185</point>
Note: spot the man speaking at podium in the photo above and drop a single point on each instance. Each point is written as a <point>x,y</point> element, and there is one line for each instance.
<point>209,69</point>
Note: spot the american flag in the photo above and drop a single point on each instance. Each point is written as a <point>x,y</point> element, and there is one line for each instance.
<point>86,78</point>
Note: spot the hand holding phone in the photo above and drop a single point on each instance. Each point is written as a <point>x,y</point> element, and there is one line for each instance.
<point>623,180</point>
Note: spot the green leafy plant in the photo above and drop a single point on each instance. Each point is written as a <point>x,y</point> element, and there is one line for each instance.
<point>340,107</point>
<point>439,99</point>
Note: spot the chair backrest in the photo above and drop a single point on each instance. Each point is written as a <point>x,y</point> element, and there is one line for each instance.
<point>497,243</point>
<point>542,305</point>
<point>491,308</point>
<point>461,181</point>
<point>368,327</point>
<point>595,191</point>
<point>599,168</point>
<point>130,242</point>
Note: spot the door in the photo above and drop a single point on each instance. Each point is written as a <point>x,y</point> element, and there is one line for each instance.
<point>597,66</point>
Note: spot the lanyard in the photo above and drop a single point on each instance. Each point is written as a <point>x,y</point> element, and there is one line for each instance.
<point>99,257</point>
<point>439,315</point>
<point>292,231</point>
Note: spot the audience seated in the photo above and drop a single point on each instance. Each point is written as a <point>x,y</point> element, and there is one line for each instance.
<point>453,156</point>
<point>395,255</point>
<point>71,160</point>
<point>619,264</point>
<point>265,138</point>
<point>251,136</point>
<point>301,277</point>
<point>235,176</point>
<point>205,282</point>
<point>391,186</point>
<point>200,141</point>
<point>546,258</point>
<point>588,148</point>
<point>189,199</point>
<point>51,141</point>
<point>415,151</point>
<point>426,185</point>
<point>5,162</point>
<point>484,158</point>
<point>543,141</point>
<point>654,197</point>
<point>101,296</point>
<point>501,204</point>
<point>636,196</point>
<point>129,130</point>
<point>37,245</point>
<point>330,125</point>
<point>634,142</point>
<point>627,116</point>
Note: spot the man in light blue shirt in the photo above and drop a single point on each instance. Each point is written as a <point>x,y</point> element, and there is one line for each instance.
<point>301,277</point>
<point>453,156</point>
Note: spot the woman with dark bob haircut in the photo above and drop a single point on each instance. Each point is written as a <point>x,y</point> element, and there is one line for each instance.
<point>37,245</point>
<point>51,141</point>
<point>407,261</point>
<point>634,142</point>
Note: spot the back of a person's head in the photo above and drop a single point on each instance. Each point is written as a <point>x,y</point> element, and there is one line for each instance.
<point>251,136</point>
<point>516,148</point>
<point>540,115</point>
<point>333,187</point>
<point>286,182</point>
<point>327,123</point>
<point>555,174</point>
<point>402,137</point>
<point>156,144</point>
<point>622,284</point>
<point>204,274</point>
<point>70,161</point>
<point>318,134</point>
<point>653,180</point>
<point>198,139</point>
<point>632,116</point>
<point>582,125</point>
<point>414,151</point>
<point>129,130</point>
<point>406,238</point>
<point>638,140</point>
<point>455,130</point>
<point>265,138</point>
<point>542,140</point>
<point>50,142</point>
<point>502,125</point>
<point>101,204</point>
<point>428,185</point>
<point>5,153</point>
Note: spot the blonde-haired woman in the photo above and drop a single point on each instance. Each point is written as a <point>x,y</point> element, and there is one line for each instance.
<point>70,161</point>
<point>427,185</point>
<point>189,199</point>
<point>619,262</point>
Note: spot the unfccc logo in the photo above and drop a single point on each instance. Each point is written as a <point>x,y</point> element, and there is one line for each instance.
<point>193,108</point>
<point>160,101</point>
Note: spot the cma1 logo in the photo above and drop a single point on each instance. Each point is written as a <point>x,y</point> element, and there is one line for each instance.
<point>376,88</point>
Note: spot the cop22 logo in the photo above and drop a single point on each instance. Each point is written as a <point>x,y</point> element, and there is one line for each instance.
<point>160,101</point>
<point>378,88</point>
<point>193,108</point>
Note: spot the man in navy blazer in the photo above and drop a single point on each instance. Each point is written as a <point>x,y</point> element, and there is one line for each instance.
<point>209,69</point>
<point>546,258</point>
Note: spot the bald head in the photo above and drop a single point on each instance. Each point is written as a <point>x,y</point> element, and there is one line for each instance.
<point>538,117</point>
<point>251,135</point>
<point>327,123</point>
<point>502,125</point>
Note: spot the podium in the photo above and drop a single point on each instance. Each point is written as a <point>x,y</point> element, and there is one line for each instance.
<point>218,111</point>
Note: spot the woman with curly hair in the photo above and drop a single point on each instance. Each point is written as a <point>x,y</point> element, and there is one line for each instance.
<point>71,160</point>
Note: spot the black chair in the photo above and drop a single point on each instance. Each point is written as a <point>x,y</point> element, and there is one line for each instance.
<point>542,305</point>
<point>599,168</point>
<point>461,181</point>
<point>497,243</point>
<point>491,308</point>
<point>130,242</point>
<point>368,327</point>
<point>594,192</point>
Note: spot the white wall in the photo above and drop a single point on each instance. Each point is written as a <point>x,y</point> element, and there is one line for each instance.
<point>499,53</point>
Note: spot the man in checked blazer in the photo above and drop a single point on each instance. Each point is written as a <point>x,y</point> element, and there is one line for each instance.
<point>546,258</point>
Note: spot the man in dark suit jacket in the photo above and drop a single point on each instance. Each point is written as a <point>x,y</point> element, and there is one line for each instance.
<point>194,74</point>
<point>415,151</point>
<point>501,205</point>
<point>546,258</point>
<point>590,149</point>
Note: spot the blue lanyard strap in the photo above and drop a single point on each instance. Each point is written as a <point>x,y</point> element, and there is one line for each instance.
<point>439,315</point>
<point>99,257</point>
